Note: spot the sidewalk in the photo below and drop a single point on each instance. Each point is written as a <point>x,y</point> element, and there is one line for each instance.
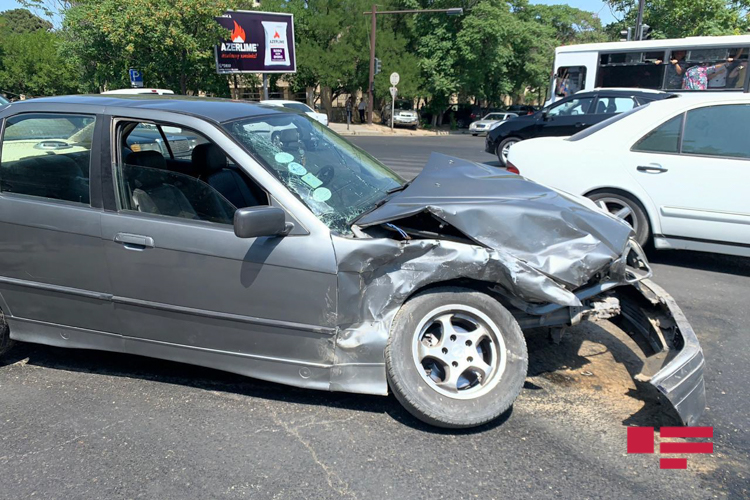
<point>364,129</point>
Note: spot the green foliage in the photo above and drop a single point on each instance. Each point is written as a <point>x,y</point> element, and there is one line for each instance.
<point>31,64</point>
<point>682,18</point>
<point>171,41</point>
<point>22,21</point>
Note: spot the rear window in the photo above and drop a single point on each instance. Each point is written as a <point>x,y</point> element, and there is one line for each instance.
<point>606,123</point>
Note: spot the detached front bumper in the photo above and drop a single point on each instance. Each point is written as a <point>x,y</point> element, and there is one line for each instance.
<point>678,363</point>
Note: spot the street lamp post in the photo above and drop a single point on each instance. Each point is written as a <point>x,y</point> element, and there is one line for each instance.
<point>374,13</point>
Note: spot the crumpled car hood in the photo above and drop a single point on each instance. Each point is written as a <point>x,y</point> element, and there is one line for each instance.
<point>559,235</point>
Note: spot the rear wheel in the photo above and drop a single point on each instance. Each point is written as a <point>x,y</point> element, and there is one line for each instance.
<point>627,209</point>
<point>5,342</point>
<point>455,357</point>
<point>504,148</point>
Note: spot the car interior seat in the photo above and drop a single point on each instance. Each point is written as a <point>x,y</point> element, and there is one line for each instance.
<point>212,162</point>
<point>148,178</point>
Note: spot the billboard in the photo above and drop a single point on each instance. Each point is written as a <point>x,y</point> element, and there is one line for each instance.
<point>260,42</point>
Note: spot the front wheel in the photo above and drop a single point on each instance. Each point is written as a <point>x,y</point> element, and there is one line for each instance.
<point>504,148</point>
<point>627,209</point>
<point>455,358</point>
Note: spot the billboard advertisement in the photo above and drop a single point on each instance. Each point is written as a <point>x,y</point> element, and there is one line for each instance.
<point>260,42</point>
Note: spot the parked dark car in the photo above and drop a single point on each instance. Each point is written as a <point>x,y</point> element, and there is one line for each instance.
<point>567,117</point>
<point>307,262</point>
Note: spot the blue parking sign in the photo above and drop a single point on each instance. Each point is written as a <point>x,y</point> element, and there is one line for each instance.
<point>136,78</point>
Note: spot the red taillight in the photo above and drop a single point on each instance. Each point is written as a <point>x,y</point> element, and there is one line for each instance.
<point>512,168</point>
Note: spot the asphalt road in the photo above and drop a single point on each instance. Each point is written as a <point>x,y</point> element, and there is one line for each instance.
<point>84,424</point>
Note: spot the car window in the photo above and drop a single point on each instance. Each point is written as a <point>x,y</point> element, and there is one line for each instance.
<point>47,155</point>
<point>569,79</point>
<point>614,105</point>
<point>577,106</point>
<point>663,139</point>
<point>718,131</point>
<point>147,137</point>
<point>3,100</point>
<point>297,106</point>
<point>494,116</point>
<point>335,179</point>
<point>206,185</point>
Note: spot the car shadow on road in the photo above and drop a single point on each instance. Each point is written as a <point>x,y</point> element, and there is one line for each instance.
<point>170,372</point>
<point>702,261</point>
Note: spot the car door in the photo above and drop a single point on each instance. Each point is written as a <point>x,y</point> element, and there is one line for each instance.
<point>696,169</point>
<point>566,117</point>
<point>52,266</point>
<point>185,286</point>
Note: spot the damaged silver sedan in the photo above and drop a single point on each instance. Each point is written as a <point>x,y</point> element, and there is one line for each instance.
<point>253,240</point>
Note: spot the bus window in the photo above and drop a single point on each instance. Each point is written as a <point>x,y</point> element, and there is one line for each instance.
<point>706,69</point>
<point>631,69</point>
<point>569,80</point>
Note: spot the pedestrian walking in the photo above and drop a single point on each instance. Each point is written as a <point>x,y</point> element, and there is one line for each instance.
<point>362,107</point>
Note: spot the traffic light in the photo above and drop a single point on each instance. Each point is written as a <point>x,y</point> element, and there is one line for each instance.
<point>378,66</point>
<point>626,35</point>
<point>645,32</point>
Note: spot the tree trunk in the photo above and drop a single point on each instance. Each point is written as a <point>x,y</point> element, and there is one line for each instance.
<point>325,100</point>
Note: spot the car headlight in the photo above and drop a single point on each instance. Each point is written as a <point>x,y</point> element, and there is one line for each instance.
<point>148,146</point>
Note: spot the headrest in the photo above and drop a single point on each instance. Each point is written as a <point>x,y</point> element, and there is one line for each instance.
<point>209,156</point>
<point>151,159</point>
<point>289,135</point>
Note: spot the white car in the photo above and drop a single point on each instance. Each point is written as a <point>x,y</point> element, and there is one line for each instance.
<point>677,170</point>
<point>490,121</point>
<point>299,106</point>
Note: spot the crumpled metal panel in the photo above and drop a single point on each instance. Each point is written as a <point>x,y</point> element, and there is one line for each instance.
<point>556,234</point>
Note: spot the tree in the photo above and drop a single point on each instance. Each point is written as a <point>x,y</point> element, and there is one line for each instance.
<point>681,18</point>
<point>30,63</point>
<point>171,41</point>
<point>22,21</point>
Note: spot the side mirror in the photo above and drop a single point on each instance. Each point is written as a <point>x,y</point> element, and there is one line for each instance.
<point>252,222</point>
<point>543,114</point>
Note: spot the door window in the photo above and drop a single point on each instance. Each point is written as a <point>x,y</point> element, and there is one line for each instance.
<point>614,105</point>
<point>47,155</point>
<point>203,185</point>
<point>569,80</point>
<point>578,106</point>
<point>179,142</point>
<point>718,131</point>
<point>663,139</point>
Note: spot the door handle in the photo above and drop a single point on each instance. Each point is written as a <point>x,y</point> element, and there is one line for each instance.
<point>653,168</point>
<point>579,124</point>
<point>134,241</point>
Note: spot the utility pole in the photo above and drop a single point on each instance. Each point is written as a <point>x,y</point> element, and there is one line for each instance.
<point>371,85</point>
<point>639,22</point>
<point>457,11</point>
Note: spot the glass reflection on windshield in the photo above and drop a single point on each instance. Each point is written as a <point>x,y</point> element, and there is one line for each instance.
<point>334,178</point>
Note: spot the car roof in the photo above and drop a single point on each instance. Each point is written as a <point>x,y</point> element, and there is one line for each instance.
<point>280,101</point>
<point>217,110</point>
<point>624,91</point>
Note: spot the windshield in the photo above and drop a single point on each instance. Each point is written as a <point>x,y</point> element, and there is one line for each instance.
<point>606,123</point>
<point>335,179</point>
<point>297,106</point>
<point>403,105</point>
<point>494,116</point>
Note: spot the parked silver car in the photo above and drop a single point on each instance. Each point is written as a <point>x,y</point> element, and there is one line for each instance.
<point>489,121</point>
<point>304,260</point>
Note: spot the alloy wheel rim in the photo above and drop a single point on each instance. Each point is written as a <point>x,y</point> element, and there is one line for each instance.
<point>459,352</point>
<point>619,209</point>
<point>506,148</point>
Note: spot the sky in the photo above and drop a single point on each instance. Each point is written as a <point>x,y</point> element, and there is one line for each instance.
<point>596,6</point>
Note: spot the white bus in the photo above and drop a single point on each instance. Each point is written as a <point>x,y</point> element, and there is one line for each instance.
<point>709,63</point>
